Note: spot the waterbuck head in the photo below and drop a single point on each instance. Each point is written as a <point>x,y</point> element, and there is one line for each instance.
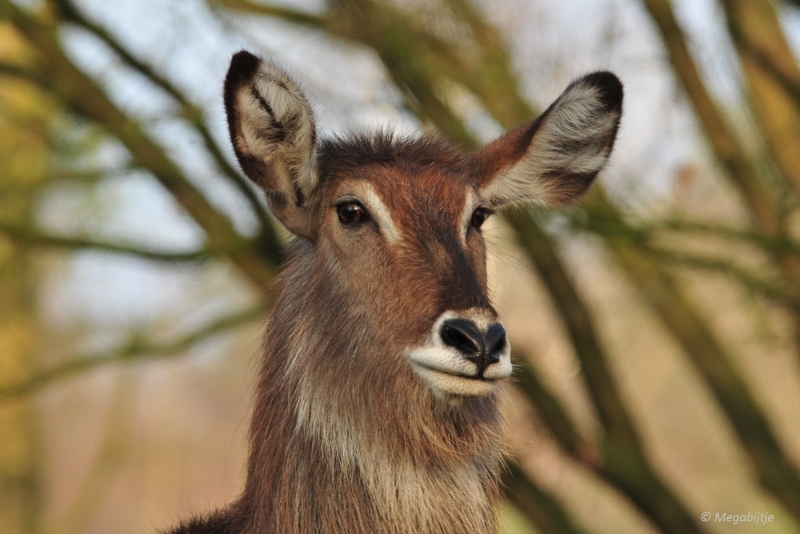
<point>376,405</point>
<point>394,225</point>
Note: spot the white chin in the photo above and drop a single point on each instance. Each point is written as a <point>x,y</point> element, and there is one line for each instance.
<point>450,386</point>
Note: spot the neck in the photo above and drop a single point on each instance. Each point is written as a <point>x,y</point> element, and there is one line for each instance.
<point>369,457</point>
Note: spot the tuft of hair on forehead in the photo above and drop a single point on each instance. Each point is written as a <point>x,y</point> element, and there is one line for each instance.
<point>341,154</point>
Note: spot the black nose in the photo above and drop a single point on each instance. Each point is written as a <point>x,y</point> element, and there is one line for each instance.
<point>482,348</point>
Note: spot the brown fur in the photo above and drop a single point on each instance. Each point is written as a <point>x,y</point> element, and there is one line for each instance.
<point>346,437</point>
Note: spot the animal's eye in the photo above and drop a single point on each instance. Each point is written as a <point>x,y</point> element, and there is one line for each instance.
<point>479,217</point>
<point>351,212</point>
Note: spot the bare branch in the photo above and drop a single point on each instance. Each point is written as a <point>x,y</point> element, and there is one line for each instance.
<point>413,58</point>
<point>550,410</point>
<point>642,237</point>
<point>580,326</point>
<point>491,74</point>
<point>134,350</point>
<point>787,78</point>
<point>773,78</point>
<point>726,147</point>
<point>34,237</point>
<point>79,92</point>
<point>189,111</point>
<point>285,13</point>
<point>771,289</point>
<point>25,73</point>
<point>15,71</point>
<point>778,245</point>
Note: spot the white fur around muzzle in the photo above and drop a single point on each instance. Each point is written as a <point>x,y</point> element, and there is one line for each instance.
<point>448,373</point>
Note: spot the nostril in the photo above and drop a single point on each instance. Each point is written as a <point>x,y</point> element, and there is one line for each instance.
<point>462,335</point>
<point>481,348</point>
<point>496,340</point>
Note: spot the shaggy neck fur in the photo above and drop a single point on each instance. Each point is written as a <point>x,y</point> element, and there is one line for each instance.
<point>337,447</point>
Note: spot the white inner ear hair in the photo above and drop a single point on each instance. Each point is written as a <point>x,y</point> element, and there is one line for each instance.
<point>277,124</point>
<point>574,139</point>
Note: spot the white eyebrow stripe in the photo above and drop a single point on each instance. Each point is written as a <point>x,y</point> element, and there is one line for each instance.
<point>380,213</point>
<point>466,215</point>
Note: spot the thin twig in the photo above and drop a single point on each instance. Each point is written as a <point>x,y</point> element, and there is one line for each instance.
<point>771,289</point>
<point>778,244</point>
<point>133,350</point>
<point>35,237</point>
<point>285,13</point>
<point>7,69</point>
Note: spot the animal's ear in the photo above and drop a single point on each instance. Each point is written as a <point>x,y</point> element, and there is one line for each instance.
<point>554,159</point>
<point>272,130</point>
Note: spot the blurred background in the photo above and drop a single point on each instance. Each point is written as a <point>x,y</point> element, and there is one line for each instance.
<point>656,326</point>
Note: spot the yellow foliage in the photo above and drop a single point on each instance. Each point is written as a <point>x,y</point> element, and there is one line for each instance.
<point>25,113</point>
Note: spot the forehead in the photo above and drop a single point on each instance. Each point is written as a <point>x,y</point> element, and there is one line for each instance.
<point>405,172</point>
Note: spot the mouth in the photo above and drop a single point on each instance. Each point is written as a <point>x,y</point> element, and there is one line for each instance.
<point>448,384</point>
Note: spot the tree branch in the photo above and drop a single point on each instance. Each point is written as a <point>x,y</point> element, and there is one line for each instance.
<point>773,78</point>
<point>81,93</point>
<point>285,13</point>
<point>15,71</point>
<point>777,245</point>
<point>29,236</point>
<point>25,73</point>
<point>549,408</point>
<point>578,321</point>
<point>189,111</point>
<point>492,73</point>
<point>131,351</point>
<point>726,147</point>
<point>770,289</point>
<point>786,77</point>
<point>657,287</point>
<point>775,289</point>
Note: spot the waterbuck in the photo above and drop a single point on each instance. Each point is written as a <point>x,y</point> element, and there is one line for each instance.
<point>376,409</point>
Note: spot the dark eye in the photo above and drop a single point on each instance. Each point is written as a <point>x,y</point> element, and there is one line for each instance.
<point>479,217</point>
<point>351,212</point>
